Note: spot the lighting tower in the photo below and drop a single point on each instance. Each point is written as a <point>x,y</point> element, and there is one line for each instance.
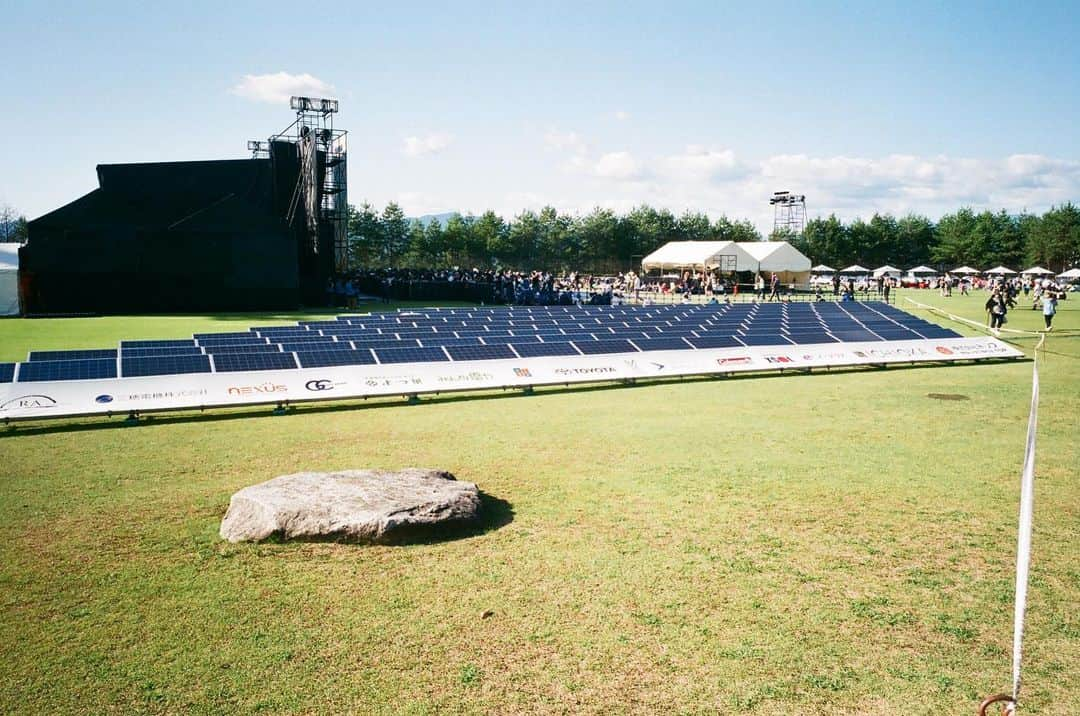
<point>790,212</point>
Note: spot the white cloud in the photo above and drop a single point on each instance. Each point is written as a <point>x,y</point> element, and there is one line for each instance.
<point>419,146</point>
<point>618,165</point>
<point>622,115</point>
<point>565,142</point>
<point>276,88</point>
<point>699,163</point>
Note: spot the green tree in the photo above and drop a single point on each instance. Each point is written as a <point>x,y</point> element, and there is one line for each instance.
<point>490,236</point>
<point>693,227</point>
<point>1054,241</point>
<point>365,236</point>
<point>914,241</point>
<point>727,230</point>
<point>955,239</point>
<point>826,241</point>
<point>395,234</point>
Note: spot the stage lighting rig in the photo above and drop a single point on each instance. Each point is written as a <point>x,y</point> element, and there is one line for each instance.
<point>314,104</point>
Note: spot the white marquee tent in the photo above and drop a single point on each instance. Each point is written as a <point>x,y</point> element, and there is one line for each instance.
<point>1000,270</point>
<point>921,269</point>
<point>822,268</point>
<point>778,257</point>
<point>855,268</point>
<point>887,271</point>
<point>964,270</point>
<point>697,255</point>
<point>1070,274</point>
<point>1037,271</point>
<point>9,279</point>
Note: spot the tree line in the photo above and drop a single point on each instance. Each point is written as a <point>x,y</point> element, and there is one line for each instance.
<point>600,241</point>
<point>13,226</point>
<point>981,240</point>
<point>603,241</point>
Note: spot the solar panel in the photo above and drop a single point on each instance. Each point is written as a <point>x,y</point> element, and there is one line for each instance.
<point>93,369</point>
<point>233,362</point>
<point>410,355</point>
<point>164,365</point>
<point>667,343</point>
<point>386,343</point>
<point>495,352</point>
<point>243,348</point>
<point>449,341</point>
<point>126,352</point>
<point>811,338</point>
<point>854,336</point>
<point>772,339</point>
<point>156,344</point>
<point>73,355</point>
<point>323,344</point>
<point>7,372</point>
<point>324,358</point>
<point>536,350</point>
<point>215,342</point>
<point>709,341</point>
<point>221,336</point>
<point>610,345</point>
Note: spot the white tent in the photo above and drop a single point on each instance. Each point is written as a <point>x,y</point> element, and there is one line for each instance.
<point>964,269</point>
<point>779,257</point>
<point>887,271</point>
<point>1001,270</point>
<point>697,255</point>
<point>1037,271</point>
<point>822,268</point>
<point>921,269</point>
<point>855,268</point>
<point>9,279</point>
<point>1072,273</point>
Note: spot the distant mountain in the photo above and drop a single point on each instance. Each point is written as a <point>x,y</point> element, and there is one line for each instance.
<point>428,218</point>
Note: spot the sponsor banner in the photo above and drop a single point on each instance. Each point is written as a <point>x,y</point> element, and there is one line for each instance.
<point>122,395</point>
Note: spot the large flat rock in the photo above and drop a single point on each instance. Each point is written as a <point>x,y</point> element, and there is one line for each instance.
<point>360,505</point>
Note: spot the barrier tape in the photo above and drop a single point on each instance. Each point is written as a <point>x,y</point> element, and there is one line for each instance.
<point>980,326</point>
<point>1027,509</point>
<point>1023,539</point>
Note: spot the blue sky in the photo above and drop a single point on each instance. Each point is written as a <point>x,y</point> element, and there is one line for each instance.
<point>701,106</point>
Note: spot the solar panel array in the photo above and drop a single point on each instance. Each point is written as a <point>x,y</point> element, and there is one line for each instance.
<point>476,334</point>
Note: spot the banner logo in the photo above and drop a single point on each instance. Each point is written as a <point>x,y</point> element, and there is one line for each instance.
<point>29,401</point>
<point>103,399</point>
<point>256,389</point>
<point>522,373</point>
<point>320,384</point>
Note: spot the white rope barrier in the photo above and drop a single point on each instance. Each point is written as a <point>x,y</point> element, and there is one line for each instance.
<point>1027,508</point>
<point>1023,539</point>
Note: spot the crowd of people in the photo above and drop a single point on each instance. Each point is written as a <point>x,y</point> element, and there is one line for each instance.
<point>1043,294</point>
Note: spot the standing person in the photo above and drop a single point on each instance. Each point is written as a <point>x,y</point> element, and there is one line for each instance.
<point>836,284</point>
<point>1049,309</point>
<point>759,286</point>
<point>774,287</point>
<point>885,289</point>
<point>996,309</point>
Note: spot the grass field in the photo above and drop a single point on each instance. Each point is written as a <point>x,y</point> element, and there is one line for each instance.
<point>834,543</point>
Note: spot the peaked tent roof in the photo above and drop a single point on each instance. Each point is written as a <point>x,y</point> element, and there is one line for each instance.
<point>697,254</point>
<point>922,269</point>
<point>855,268</point>
<point>964,269</point>
<point>776,256</point>
<point>1071,273</point>
<point>882,270</point>
<point>1039,270</point>
<point>1001,270</point>
<point>822,268</point>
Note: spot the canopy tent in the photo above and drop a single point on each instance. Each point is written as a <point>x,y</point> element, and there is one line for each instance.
<point>887,270</point>
<point>855,268</point>
<point>964,270</point>
<point>780,258</point>
<point>698,255</point>
<point>1001,270</point>
<point>921,269</point>
<point>777,257</point>
<point>9,279</point>
<point>1073,273</point>
<point>1037,271</point>
<point>822,268</point>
